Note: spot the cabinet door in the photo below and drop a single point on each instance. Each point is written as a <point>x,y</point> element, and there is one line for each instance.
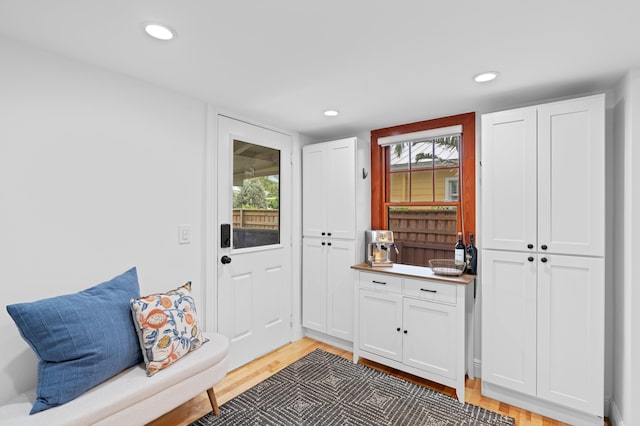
<point>509,180</point>
<point>509,320</point>
<point>381,324</point>
<point>571,203</point>
<point>340,178</point>
<point>571,332</point>
<point>429,341</point>
<point>314,284</point>
<point>340,282</point>
<point>314,195</point>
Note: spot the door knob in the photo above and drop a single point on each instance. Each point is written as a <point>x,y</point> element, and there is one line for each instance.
<point>225,260</point>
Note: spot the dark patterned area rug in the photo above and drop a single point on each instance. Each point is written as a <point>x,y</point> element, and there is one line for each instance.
<point>325,389</point>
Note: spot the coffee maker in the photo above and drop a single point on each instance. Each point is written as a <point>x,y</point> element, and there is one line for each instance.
<point>378,246</point>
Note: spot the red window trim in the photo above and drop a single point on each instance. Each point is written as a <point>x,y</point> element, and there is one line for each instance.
<point>379,172</point>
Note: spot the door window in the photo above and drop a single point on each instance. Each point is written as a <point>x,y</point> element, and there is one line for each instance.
<point>256,195</point>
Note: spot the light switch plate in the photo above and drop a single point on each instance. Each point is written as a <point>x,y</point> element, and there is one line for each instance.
<point>184,234</point>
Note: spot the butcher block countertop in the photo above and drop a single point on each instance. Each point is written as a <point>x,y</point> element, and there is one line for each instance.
<point>414,272</point>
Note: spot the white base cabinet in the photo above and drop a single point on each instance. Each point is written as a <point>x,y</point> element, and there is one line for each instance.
<point>425,323</point>
<point>542,336</point>
<point>327,295</point>
<point>414,325</point>
<point>570,329</point>
<point>379,311</point>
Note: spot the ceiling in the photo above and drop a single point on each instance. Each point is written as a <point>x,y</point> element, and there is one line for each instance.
<point>379,62</point>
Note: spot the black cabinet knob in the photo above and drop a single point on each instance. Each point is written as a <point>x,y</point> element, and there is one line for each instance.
<point>543,260</point>
<point>530,259</point>
<point>529,246</point>
<point>225,260</point>
<point>323,243</point>
<point>543,247</point>
<point>329,233</point>
<point>323,234</point>
<point>405,332</point>
<point>328,243</point>
<point>398,329</point>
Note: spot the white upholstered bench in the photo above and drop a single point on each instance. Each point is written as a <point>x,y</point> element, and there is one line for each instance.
<point>132,398</point>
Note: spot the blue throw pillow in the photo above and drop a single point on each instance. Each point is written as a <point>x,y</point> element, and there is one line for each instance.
<point>81,339</point>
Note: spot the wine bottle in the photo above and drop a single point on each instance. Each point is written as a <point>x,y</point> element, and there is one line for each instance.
<point>459,250</point>
<point>472,257</point>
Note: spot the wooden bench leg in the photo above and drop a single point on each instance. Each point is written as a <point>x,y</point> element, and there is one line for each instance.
<point>214,402</point>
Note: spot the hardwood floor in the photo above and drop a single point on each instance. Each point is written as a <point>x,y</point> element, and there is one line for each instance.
<point>245,377</point>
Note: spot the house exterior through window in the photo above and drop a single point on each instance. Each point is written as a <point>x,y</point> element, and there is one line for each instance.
<point>451,189</point>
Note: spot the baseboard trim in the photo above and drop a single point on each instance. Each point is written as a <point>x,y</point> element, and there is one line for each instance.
<point>330,340</point>
<point>477,368</point>
<point>535,405</point>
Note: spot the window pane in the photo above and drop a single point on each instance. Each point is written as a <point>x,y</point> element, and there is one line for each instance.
<point>256,195</point>
<point>399,157</point>
<point>423,233</point>
<point>421,155</point>
<point>422,186</point>
<point>447,186</point>
<point>446,151</point>
<point>399,189</point>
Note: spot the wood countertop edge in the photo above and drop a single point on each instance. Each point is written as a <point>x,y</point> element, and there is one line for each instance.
<point>410,271</point>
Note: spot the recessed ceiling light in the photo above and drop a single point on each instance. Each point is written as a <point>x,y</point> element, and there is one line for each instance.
<point>160,32</point>
<point>331,113</point>
<point>485,76</point>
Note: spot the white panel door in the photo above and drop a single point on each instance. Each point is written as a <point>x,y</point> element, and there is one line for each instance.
<point>509,320</point>
<point>381,324</point>
<point>314,283</point>
<point>571,180</point>
<point>509,180</point>
<point>341,188</point>
<point>571,331</point>
<point>314,196</point>
<point>339,284</point>
<point>424,323</point>
<point>254,272</point>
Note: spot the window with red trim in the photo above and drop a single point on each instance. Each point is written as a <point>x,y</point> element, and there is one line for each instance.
<point>424,189</point>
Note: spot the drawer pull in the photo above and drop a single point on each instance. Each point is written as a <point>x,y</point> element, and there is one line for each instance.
<point>430,291</point>
<point>379,282</point>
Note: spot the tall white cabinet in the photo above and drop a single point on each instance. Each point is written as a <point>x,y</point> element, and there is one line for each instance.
<point>542,259</point>
<point>333,224</point>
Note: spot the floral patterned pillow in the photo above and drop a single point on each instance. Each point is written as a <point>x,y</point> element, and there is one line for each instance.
<point>167,327</point>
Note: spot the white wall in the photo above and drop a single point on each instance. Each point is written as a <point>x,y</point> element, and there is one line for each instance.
<point>626,388</point>
<point>97,171</point>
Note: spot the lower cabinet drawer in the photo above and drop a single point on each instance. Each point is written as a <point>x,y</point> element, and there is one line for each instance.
<point>431,290</point>
<point>383,282</point>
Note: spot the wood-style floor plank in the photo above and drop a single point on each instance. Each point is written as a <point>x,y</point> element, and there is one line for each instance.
<point>247,376</point>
